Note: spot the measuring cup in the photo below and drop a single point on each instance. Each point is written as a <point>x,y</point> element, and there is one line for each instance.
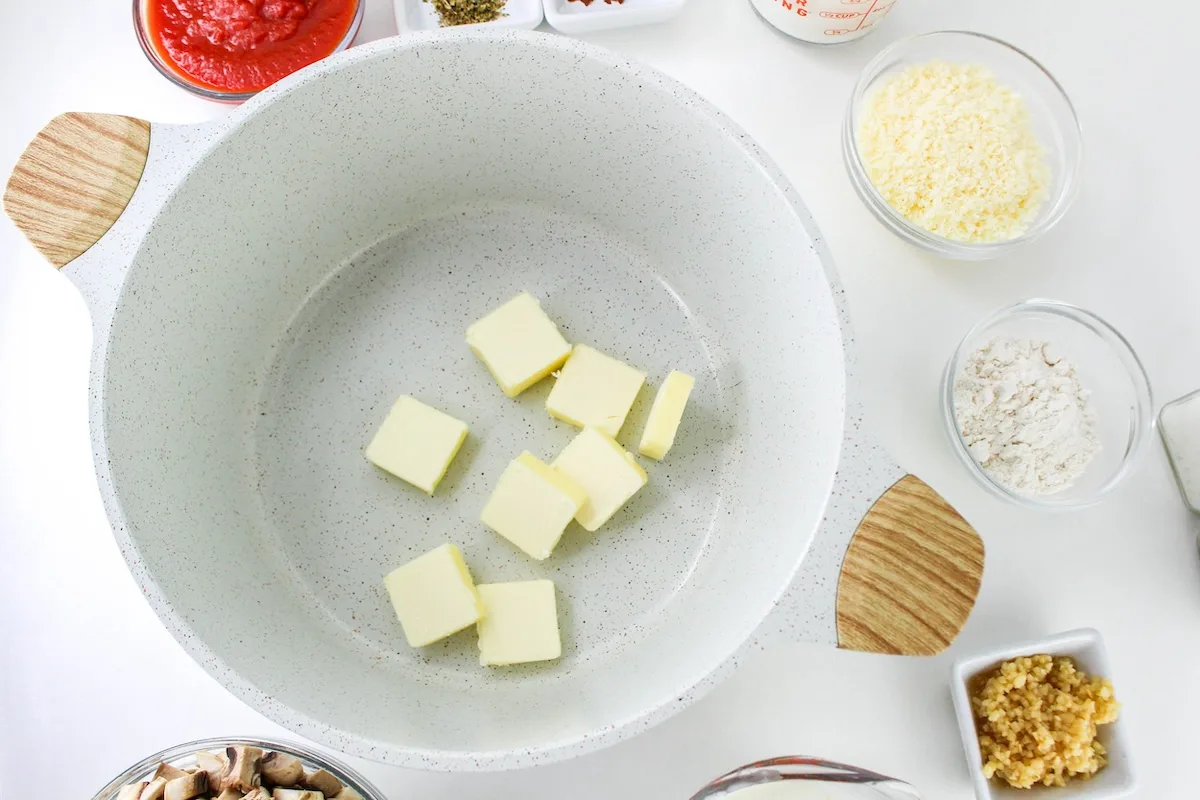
<point>804,778</point>
<point>824,21</point>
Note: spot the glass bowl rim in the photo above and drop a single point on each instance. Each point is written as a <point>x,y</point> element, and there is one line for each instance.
<point>1143,411</point>
<point>802,768</point>
<point>1165,437</point>
<point>1061,200</point>
<point>346,774</point>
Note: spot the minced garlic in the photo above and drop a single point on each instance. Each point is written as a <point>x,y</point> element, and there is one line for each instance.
<point>954,151</point>
<point>1036,717</point>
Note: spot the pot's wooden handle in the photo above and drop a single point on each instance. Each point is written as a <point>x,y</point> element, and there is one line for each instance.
<point>893,568</point>
<point>74,180</point>
<point>910,575</point>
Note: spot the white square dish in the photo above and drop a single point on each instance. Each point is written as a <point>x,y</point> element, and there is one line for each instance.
<point>1086,648</point>
<point>572,16</point>
<point>418,15</point>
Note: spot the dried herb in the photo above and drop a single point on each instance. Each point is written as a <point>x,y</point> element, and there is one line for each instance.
<point>467,12</point>
<point>607,2</point>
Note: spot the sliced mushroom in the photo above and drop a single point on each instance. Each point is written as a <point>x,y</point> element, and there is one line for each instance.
<point>348,794</point>
<point>131,791</point>
<point>257,793</point>
<point>213,764</point>
<point>192,784</point>
<point>241,771</point>
<point>324,783</point>
<point>296,794</point>
<point>169,772</point>
<point>154,790</point>
<point>281,769</point>
<point>230,794</point>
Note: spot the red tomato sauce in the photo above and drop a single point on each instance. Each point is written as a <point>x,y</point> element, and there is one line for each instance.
<point>245,45</point>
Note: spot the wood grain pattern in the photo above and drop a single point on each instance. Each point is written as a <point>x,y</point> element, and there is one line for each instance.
<point>911,575</point>
<point>74,180</point>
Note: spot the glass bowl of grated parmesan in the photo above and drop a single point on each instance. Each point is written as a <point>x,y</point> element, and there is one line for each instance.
<point>1047,405</point>
<point>961,144</point>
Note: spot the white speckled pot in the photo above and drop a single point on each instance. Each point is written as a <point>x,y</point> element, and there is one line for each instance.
<point>280,276</point>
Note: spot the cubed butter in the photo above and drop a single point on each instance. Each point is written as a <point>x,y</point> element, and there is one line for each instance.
<point>434,596</point>
<point>519,344</point>
<point>608,474</point>
<point>665,415</point>
<point>416,443</point>
<point>521,624</point>
<point>594,389</point>
<point>532,505</point>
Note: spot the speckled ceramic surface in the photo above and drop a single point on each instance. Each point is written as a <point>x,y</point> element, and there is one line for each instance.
<point>276,307</point>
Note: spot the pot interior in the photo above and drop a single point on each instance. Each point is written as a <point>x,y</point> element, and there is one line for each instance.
<point>327,256</point>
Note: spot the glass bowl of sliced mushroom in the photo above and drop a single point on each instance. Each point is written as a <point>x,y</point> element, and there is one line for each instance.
<point>239,769</point>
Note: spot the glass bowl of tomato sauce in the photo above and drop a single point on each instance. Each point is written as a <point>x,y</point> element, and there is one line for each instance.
<point>227,50</point>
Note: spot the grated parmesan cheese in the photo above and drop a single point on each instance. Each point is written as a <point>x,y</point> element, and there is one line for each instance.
<point>953,150</point>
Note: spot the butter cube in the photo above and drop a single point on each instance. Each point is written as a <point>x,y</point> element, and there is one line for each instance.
<point>521,623</point>
<point>416,443</point>
<point>608,474</point>
<point>518,343</point>
<point>434,596</point>
<point>532,505</point>
<point>665,415</point>
<point>594,389</point>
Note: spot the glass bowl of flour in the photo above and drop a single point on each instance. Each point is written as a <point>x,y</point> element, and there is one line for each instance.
<point>1047,405</point>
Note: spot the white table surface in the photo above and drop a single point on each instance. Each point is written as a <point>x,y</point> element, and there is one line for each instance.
<point>89,681</point>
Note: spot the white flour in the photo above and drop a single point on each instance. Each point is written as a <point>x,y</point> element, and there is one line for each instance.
<point>1025,416</point>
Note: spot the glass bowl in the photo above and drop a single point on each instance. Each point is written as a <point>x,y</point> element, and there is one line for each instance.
<point>853,783</point>
<point>184,756</point>
<point>1054,122</point>
<point>182,80</point>
<point>1107,367</point>
<point>1182,446</point>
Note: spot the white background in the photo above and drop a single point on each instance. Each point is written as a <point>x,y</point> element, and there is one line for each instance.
<point>89,681</point>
